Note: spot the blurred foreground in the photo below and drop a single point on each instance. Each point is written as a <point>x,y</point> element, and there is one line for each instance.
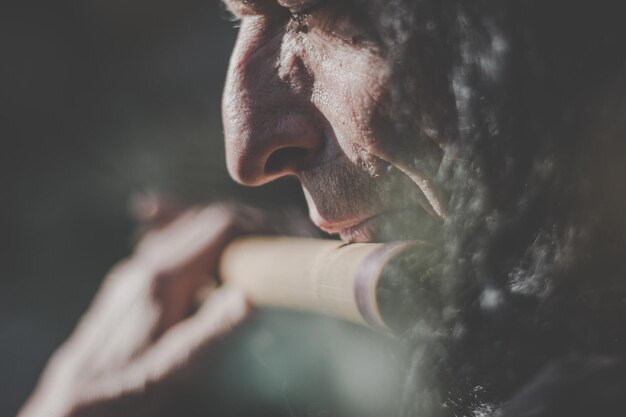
<point>98,100</point>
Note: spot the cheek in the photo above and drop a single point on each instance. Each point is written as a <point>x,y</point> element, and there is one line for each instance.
<point>350,90</point>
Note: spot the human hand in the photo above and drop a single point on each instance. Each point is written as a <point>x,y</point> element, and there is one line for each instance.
<point>142,333</point>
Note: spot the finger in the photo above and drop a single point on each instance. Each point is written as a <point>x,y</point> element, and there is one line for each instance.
<point>179,348</point>
<point>189,247</point>
<point>121,294</point>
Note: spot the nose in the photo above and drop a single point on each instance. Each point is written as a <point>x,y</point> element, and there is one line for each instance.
<point>270,125</point>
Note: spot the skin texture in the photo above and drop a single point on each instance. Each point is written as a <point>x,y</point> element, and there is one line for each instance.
<point>528,269</point>
<point>307,95</point>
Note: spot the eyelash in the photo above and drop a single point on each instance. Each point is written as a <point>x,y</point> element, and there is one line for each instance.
<point>310,9</point>
<point>297,20</point>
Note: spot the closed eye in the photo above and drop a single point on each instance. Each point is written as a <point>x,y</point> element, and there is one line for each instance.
<point>307,10</point>
<point>298,19</point>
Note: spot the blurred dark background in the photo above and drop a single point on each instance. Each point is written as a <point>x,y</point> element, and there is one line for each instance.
<point>98,99</point>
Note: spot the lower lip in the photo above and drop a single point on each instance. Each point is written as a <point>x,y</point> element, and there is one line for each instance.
<point>363,232</point>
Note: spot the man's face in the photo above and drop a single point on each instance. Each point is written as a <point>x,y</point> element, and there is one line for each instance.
<point>307,94</point>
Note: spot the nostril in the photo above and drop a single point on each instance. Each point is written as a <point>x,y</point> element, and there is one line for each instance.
<point>285,159</point>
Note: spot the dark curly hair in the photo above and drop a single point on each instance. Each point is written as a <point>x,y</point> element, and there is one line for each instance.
<point>518,310</point>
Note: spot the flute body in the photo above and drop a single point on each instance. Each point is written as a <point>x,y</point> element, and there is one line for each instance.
<point>323,276</point>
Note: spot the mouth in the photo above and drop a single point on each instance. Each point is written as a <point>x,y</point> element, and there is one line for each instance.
<point>396,224</point>
<point>345,201</point>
